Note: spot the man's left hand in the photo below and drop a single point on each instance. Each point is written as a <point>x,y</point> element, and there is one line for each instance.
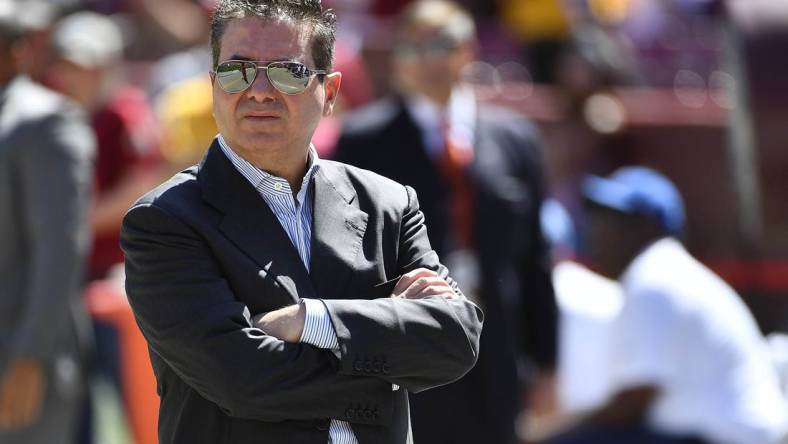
<point>21,393</point>
<point>286,323</point>
<point>420,283</point>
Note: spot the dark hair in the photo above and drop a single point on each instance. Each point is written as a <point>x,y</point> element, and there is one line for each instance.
<point>309,11</point>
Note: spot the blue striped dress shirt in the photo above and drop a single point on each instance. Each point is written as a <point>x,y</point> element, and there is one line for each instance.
<point>295,216</point>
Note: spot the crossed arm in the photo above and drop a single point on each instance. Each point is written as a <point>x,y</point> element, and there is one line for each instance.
<point>191,319</point>
<point>288,323</point>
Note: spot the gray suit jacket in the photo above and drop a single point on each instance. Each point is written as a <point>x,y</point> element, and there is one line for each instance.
<point>204,253</point>
<point>46,172</point>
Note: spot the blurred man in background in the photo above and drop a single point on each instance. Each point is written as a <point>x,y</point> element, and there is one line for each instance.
<point>88,51</point>
<point>689,363</point>
<point>46,167</point>
<point>86,61</point>
<point>479,177</point>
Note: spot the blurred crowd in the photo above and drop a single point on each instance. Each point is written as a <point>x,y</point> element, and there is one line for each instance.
<point>601,326</point>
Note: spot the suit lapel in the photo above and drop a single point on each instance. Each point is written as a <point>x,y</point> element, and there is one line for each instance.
<point>338,227</point>
<point>251,225</point>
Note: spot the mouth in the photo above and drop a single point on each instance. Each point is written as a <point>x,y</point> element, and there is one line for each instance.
<point>261,114</point>
<point>261,117</point>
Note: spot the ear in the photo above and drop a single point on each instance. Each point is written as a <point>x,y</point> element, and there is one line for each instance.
<point>331,85</point>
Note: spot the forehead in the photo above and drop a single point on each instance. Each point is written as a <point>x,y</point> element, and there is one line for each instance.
<point>253,38</point>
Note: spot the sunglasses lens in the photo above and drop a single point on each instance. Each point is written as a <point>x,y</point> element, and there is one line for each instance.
<point>288,77</point>
<point>235,77</point>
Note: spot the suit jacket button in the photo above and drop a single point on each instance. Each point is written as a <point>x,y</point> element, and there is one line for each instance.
<point>375,414</point>
<point>367,414</point>
<point>358,366</point>
<point>367,367</point>
<point>376,367</point>
<point>350,413</point>
<point>385,368</point>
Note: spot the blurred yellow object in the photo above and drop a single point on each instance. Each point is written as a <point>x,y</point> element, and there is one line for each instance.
<point>186,116</point>
<point>610,11</point>
<point>535,19</point>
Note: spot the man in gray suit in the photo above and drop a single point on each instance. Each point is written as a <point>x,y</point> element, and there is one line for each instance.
<point>46,160</point>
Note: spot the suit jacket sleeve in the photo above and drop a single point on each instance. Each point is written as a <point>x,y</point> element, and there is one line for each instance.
<point>56,172</point>
<point>190,317</point>
<point>416,344</point>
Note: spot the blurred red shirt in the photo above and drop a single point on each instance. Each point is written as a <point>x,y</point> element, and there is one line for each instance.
<point>128,144</point>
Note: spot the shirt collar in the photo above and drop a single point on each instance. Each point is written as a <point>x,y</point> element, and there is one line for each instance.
<point>460,115</point>
<point>266,183</point>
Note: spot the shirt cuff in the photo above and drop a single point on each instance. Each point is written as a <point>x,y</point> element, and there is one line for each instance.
<point>318,329</point>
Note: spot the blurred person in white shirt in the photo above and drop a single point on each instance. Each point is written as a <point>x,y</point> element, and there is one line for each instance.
<point>688,363</point>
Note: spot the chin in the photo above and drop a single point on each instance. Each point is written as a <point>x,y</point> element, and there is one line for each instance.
<point>262,141</point>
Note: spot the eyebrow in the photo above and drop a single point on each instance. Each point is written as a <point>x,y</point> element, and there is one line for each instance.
<point>248,59</point>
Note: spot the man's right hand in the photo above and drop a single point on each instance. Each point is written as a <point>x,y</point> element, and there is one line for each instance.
<point>421,283</point>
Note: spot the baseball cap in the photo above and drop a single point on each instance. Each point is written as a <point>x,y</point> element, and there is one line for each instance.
<point>88,39</point>
<point>639,190</point>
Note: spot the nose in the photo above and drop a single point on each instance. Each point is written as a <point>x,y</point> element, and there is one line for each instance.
<point>261,89</point>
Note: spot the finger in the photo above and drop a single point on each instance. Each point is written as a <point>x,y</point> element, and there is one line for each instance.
<point>256,319</point>
<point>439,290</point>
<point>22,412</point>
<point>11,415</point>
<point>416,289</point>
<point>6,404</point>
<point>35,396</point>
<point>20,399</point>
<point>408,278</point>
<point>25,396</point>
<point>5,422</point>
<point>436,291</point>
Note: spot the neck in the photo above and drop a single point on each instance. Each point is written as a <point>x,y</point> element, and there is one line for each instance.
<point>440,98</point>
<point>635,249</point>
<point>292,172</point>
<point>284,164</point>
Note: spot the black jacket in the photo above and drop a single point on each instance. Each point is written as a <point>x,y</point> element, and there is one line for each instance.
<point>204,253</point>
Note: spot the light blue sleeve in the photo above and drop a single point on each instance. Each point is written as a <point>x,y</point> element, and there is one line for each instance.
<point>318,330</point>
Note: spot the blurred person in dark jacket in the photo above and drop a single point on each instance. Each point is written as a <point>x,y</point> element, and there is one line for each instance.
<point>46,167</point>
<point>478,172</point>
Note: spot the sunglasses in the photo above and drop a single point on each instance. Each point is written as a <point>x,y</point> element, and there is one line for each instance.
<point>290,78</point>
